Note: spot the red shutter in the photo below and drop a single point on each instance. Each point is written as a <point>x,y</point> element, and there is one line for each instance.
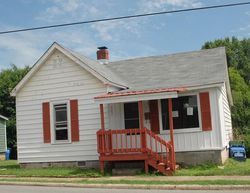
<point>46,123</point>
<point>205,111</point>
<point>74,120</point>
<point>154,116</point>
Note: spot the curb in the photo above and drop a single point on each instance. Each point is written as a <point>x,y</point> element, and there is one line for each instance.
<point>134,186</point>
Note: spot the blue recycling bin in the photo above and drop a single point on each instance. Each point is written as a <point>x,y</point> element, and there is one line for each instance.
<point>7,154</point>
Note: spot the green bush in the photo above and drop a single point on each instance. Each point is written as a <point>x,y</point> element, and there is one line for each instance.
<point>246,140</point>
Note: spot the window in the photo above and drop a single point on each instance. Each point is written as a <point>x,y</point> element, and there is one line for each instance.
<point>61,122</point>
<point>131,115</point>
<point>185,112</point>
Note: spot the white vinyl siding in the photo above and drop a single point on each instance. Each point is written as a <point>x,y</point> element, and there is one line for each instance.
<point>2,135</point>
<point>226,117</point>
<point>59,79</point>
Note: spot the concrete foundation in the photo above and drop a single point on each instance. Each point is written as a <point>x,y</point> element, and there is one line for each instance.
<point>182,158</point>
<point>81,164</point>
<point>201,157</point>
<point>2,156</point>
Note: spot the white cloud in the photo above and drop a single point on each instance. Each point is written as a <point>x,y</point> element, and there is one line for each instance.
<point>248,13</point>
<point>25,48</point>
<point>163,5</point>
<point>68,11</point>
<point>76,10</point>
<point>20,49</point>
<point>244,30</point>
<point>108,31</point>
<point>112,30</point>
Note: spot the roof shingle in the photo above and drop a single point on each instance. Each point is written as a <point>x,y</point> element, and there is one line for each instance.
<point>176,70</point>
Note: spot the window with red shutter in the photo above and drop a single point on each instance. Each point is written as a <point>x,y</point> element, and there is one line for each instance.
<point>185,113</point>
<point>64,123</point>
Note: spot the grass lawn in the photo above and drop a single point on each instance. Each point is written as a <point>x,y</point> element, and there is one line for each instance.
<point>231,167</point>
<point>11,167</point>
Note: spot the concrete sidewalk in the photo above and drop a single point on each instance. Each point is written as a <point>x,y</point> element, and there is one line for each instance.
<point>76,182</point>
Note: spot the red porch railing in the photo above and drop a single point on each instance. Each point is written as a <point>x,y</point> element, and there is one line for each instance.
<point>134,142</point>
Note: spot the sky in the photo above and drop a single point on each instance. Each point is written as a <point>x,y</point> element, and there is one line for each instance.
<point>138,37</point>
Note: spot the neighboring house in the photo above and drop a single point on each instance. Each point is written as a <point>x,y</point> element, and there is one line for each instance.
<point>59,102</point>
<point>3,138</point>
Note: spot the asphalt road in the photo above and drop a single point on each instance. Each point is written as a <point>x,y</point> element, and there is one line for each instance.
<point>42,189</point>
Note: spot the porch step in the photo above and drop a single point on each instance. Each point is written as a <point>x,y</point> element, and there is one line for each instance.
<point>159,166</point>
<point>126,172</point>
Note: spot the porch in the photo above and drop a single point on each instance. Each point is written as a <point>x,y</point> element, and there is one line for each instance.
<point>141,143</point>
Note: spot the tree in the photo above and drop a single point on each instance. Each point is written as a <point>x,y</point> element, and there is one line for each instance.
<point>238,58</point>
<point>8,80</point>
<point>241,96</point>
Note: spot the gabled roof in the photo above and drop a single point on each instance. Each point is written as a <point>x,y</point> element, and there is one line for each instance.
<point>100,71</point>
<point>195,69</point>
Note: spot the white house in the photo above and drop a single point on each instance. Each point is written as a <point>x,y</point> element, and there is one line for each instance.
<point>157,109</point>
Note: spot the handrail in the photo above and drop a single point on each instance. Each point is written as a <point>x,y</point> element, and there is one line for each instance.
<point>135,141</point>
<point>118,141</point>
<point>163,149</point>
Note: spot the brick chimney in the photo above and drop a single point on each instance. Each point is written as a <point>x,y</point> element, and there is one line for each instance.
<point>102,54</point>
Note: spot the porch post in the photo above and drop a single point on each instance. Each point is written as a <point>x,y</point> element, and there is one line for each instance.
<point>102,117</point>
<point>142,133</point>
<point>141,117</point>
<point>171,128</point>
<point>102,141</point>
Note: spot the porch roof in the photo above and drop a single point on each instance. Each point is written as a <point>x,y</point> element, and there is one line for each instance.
<point>129,96</point>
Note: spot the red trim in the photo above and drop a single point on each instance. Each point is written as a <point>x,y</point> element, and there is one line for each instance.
<point>46,122</point>
<point>141,117</point>
<point>102,117</point>
<point>205,111</point>
<point>141,114</point>
<point>154,116</point>
<point>74,120</point>
<point>124,157</point>
<point>139,92</point>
